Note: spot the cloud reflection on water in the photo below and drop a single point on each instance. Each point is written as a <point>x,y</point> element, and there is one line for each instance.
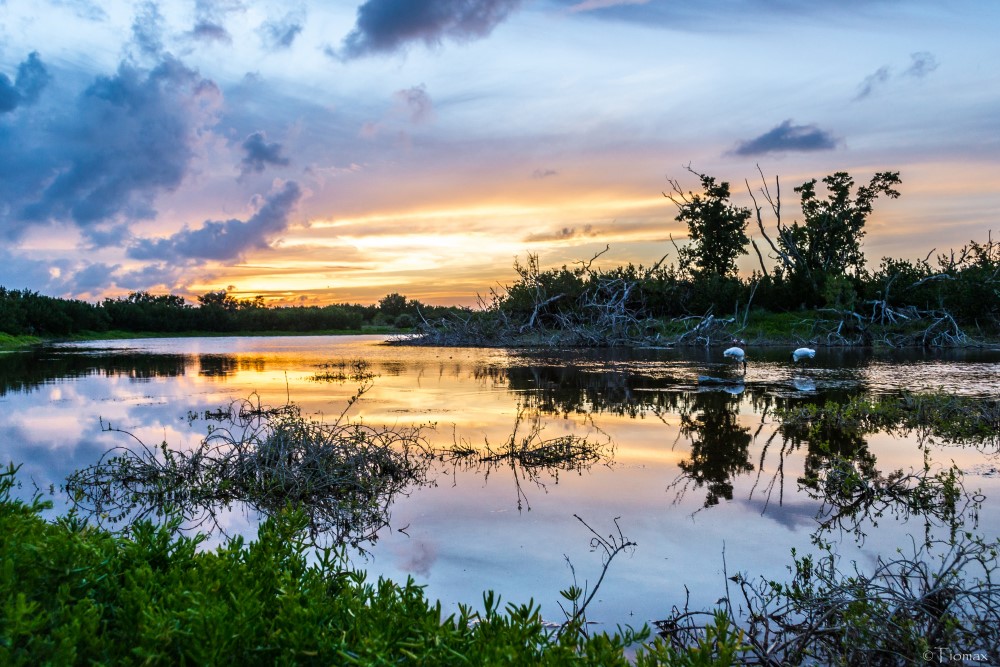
<point>465,534</point>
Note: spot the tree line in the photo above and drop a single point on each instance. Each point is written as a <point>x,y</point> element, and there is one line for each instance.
<point>815,264</point>
<point>25,312</point>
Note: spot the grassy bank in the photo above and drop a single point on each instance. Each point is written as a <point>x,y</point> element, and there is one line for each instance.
<point>9,342</point>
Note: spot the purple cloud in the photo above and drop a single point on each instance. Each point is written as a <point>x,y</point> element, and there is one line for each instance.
<point>259,154</point>
<point>787,137</point>
<point>32,77</point>
<point>223,240</point>
<point>385,26</point>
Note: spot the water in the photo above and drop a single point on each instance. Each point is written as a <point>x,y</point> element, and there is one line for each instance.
<point>693,471</point>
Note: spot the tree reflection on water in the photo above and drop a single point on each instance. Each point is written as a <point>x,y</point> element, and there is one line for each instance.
<point>529,456</point>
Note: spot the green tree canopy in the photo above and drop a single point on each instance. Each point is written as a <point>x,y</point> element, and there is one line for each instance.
<point>829,240</point>
<point>717,229</point>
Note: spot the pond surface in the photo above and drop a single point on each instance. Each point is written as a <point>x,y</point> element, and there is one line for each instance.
<point>695,472</point>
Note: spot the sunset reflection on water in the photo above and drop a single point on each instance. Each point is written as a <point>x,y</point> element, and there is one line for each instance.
<point>696,474</point>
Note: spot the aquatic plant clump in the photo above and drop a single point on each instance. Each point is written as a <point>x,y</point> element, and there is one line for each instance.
<point>342,475</point>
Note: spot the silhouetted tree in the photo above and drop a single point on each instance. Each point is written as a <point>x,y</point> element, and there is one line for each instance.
<point>717,229</point>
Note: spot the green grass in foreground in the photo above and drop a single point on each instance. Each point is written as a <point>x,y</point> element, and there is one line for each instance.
<point>73,594</point>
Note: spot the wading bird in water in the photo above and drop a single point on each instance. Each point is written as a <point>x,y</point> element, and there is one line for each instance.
<point>803,353</point>
<point>737,353</point>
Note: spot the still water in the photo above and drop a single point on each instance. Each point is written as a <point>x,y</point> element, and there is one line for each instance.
<point>695,472</point>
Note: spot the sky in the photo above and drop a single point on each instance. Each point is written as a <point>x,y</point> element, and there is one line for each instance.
<point>336,152</point>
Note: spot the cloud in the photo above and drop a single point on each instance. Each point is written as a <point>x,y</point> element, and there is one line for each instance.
<point>416,103</point>
<point>259,154</point>
<point>872,81</point>
<point>32,77</point>
<point>210,16</point>
<point>280,33</point>
<point>591,5</point>
<point>385,26</point>
<point>82,8</point>
<point>147,26</point>
<point>209,31</point>
<point>106,155</point>
<point>564,234</point>
<point>226,239</point>
<point>787,137</point>
<point>543,173</point>
<point>94,278</point>
<point>411,106</point>
<point>62,277</point>
<point>9,97</point>
<point>151,275</point>
<point>923,64</point>
<point>17,271</point>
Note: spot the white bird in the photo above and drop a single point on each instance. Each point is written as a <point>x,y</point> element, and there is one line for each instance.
<point>803,353</point>
<point>738,355</point>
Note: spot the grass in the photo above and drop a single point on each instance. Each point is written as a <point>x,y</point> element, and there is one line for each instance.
<point>9,342</point>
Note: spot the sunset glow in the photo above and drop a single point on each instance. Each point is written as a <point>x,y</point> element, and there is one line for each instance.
<point>308,156</point>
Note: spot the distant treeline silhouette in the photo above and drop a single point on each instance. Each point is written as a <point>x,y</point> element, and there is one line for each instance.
<point>25,312</point>
<point>816,265</point>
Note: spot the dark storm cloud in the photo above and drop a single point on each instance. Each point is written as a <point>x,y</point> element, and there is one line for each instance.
<point>787,137</point>
<point>259,154</point>
<point>105,156</point>
<point>384,26</point>
<point>226,239</point>
<point>281,33</point>
<point>32,77</point>
<point>923,64</point>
